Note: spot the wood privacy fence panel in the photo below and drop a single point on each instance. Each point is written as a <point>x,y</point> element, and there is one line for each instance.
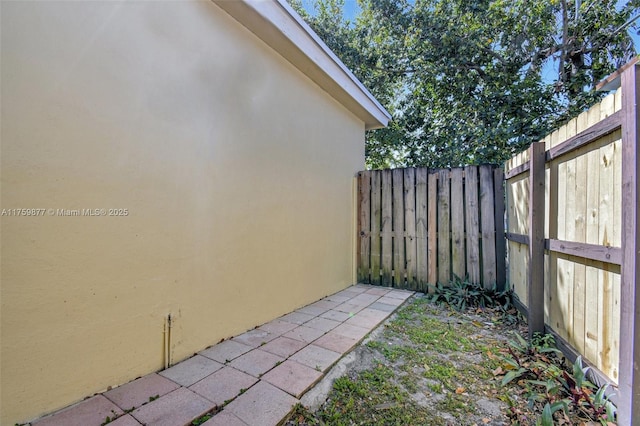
<point>582,232</point>
<point>418,226</point>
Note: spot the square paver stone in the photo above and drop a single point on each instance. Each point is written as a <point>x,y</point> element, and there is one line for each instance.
<point>353,291</point>
<point>223,385</point>
<point>224,418</point>
<point>384,307</point>
<point>256,362</point>
<point>297,318</point>
<point>262,405</point>
<point>364,321</point>
<point>373,313</point>
<point>292,377</point>
<point>254,338</point>
<point>191,370</point>
<point>89,412</point>
<point>326,304</point>
<point>378,291</point>
<point>336,342</point>
<point>226,351</point>
<point>338,299</point>
<point>316,357</point>
<point>139,391</point>
<point>357,289</point>
<point>284,346</point>
<point>351,331</point>
<point>323,324</point>
<point>336,315</point>
<point>390,301</point>
<point>278,327</point>
<point>364,299</point>
<point>126,420</point>
<point>311,310</point>
<point>179,407</point>
<point>349,308</point>
<point>399,294</point>
<point>304,334</point>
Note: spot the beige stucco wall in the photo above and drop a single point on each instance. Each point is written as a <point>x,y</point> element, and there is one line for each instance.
<point>236,171</point>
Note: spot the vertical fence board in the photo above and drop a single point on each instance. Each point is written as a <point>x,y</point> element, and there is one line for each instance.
<point>444,217</point>
<point>457,224</point>
<point>387,230</point>
<point>376,217</point>
<point>536,240</point>
<point>592,277</point>
<point>517,212</point>
<point>473,225</point>
<point>432,250</point>
<point>605,347</point>
<point>568,265</point>
<point>421,229</point>
<point>487,226</point>
<point>410,227</point>
<point>398,227</point>
<point>614,342</point>
<point>605,234</point>
<point>579,284</point>
<point>556,193</point>
<point>364,217</point>
<point>608,346</point>
<point>499,213</point>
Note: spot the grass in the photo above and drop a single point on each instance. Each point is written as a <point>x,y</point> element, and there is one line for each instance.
<point>371,397</point>
<point>429,367</point>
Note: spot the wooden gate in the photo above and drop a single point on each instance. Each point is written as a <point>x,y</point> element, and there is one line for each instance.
<point>418,226</point>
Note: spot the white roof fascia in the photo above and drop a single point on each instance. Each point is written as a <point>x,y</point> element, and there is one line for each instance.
<point>278,25</point>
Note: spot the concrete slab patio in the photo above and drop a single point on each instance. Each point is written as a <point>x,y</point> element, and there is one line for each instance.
<point>255,378</point>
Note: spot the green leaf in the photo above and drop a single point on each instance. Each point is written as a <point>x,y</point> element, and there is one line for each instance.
<point>547,416</point>
<point>512,375</point>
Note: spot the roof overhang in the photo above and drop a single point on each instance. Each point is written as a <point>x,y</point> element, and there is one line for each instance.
<point>278,25</point>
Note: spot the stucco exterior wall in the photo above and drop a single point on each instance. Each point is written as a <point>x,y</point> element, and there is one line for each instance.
<point>236,171</point>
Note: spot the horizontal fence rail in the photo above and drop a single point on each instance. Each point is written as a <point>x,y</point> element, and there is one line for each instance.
<point>418,226</point>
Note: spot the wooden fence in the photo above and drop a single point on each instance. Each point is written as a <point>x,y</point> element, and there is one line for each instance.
<point>418,226</point>
<point>572,214</point>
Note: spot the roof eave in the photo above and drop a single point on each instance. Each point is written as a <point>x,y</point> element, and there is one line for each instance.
<point>278,25</point>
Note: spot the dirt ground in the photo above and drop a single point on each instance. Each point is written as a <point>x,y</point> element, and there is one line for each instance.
<point>426,365</point>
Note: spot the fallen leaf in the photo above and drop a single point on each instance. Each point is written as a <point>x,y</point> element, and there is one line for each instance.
<point>498,371</point>
<point>460,390</point>
<point>486,420</point>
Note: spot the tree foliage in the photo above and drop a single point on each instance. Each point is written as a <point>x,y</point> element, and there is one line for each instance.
<point>471,82</point>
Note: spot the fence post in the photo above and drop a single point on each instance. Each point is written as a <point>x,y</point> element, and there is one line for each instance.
<point>629,383</point>
<point>536,239</point>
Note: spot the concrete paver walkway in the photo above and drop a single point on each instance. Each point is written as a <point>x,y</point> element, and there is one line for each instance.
<point>255,378</point>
